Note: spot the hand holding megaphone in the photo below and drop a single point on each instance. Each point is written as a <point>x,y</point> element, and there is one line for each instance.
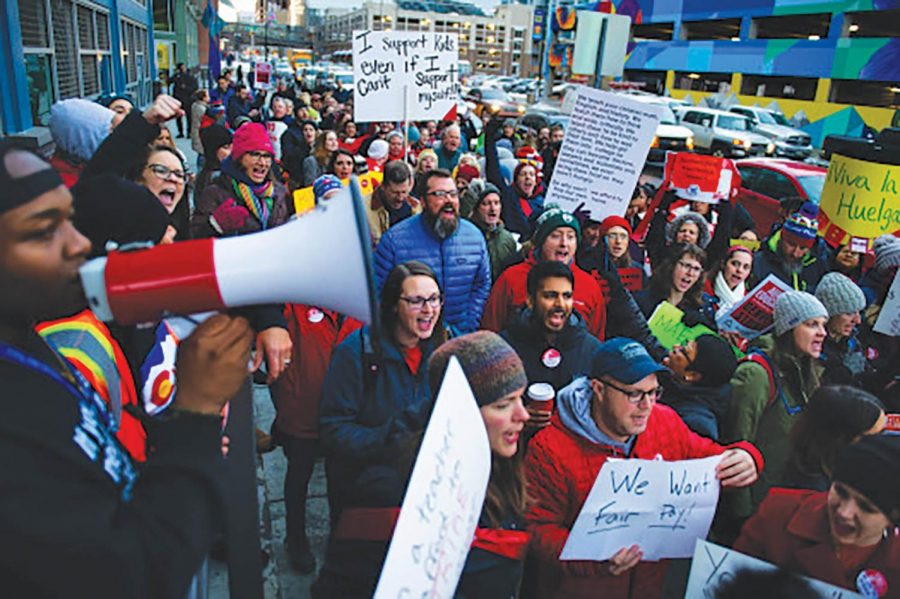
<point>322,259</point>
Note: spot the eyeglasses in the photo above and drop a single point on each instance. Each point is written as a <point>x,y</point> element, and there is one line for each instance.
<point>681,350</point>
<point>617,236</point>
<point>261,156</point>
<point>441,193</point>
<point>417,303</point>
<point>690,267</point>
<point>165,173</point>
<point>636,396</point>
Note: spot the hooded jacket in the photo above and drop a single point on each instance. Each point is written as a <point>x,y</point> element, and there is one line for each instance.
<point>501,245</point>
<point>768,261</point>
<point>460,261</point>
<point>562,463</point>
<point>510,292</point>
<point>699,406</point>
<point>661,233</point>
<point>575,345</point>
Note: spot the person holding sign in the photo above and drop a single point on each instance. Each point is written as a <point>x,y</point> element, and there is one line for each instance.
<point>847,536</point>
<point>613,413</point>
<point>679,280</point>
<point>524,198</point>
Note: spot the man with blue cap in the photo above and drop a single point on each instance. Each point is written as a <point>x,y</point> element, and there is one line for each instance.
<point>613,413</point>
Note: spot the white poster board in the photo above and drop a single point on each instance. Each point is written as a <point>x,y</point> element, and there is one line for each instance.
<point>443,501</point>
<point>714,566</point>
<point>603,152</point>
<point>385,63</point>
<point>663,507</point>
<point>888,322</point>
<point>755,314</point>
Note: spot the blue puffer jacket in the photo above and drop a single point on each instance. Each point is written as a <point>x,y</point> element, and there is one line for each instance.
<point>461,263</point>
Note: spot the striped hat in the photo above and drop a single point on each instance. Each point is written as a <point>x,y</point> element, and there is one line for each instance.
<point>493,368</point>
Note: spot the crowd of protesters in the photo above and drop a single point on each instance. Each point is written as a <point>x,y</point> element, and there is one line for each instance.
<point>112,474</point>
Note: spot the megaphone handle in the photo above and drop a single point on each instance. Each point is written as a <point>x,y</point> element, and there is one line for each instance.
<point>178,278</point>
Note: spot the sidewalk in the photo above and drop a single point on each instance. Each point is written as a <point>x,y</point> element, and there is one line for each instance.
<point>279,580</point>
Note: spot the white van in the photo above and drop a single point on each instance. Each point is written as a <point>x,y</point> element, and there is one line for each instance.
<point>724,133</point>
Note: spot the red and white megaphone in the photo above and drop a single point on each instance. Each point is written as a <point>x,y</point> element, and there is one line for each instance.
<point>322,258</point>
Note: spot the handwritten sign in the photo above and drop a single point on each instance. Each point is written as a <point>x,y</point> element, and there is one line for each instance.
<point>663,507</point>
<point>888,322</point>
<point>755,314</point>
<point>859,199</point>
<point>443,501</point>
<point>714,566</point>
<point>389,64</point>
<point>666,324</point>
<point>603,152</point>
<point>701,178</point>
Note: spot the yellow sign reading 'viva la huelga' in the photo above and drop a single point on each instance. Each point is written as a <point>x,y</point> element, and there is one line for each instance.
<point>862,197</point>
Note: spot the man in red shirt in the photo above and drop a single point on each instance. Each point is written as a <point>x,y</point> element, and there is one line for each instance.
<point>556,238</point>
<point>614,413</point>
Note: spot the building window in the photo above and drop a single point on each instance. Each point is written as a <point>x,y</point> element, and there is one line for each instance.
<point>654,81</point>
<point>799,88</point>
<point>791,27</point>
<point>873,23</point>
<point>885,94</point>
<point>722,29</point>
<point>703,82</point>
<point>163,15</point>
<point>652,31</point>
<point>134,54</point>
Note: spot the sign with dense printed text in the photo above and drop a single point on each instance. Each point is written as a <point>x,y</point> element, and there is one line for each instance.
<point>443,500</point>
<point>397,69</point>
<point>701,178</point>
<point>860,199</point>
<point>603,153</point>
<point>663,507</point>
<point>714,566</point>
<point>888,322</point>
<point>755,314</point>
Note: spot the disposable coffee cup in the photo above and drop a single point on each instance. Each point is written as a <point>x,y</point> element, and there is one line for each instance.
<point>541,396</point>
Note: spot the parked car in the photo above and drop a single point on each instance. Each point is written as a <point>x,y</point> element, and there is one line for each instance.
<point>284,70</point>
<point>496,101</point>
<point>543,115</point>
<point>670,136</point>
<point>766,181</point>
<point>789,141</point>
<point>724,133</point>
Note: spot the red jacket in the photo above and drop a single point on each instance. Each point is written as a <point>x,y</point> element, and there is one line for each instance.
<point>791,530</point>
<point>68,172</point>
<point>561,468</point>
<point>509,293</point>
<point>298,390</point>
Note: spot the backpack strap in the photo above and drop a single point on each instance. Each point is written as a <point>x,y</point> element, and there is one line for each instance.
<point>759,357</point>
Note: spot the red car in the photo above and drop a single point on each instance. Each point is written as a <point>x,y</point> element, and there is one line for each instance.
<point>765,181</point>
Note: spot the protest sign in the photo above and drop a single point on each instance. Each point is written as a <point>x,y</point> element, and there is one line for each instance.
<point>663,507</point>
<point>888,322</point>
<point>755,314</point>
<point>404,75</point>
<point>276,129</point>
<point>263,77</point>
<point>859,199</point>
<point>750,244</point>
<point>701,178</point>
<point>666,325</point>
<point>443,501</point>
<point>603,153</point>
<point>714,566</point>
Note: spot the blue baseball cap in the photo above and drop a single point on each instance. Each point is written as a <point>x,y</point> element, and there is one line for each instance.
<point>626,360</point>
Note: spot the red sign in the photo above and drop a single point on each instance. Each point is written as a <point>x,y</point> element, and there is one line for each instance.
<point>701,178</point>
<point>632,278</point>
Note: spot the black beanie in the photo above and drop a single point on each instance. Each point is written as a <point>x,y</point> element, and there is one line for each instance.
<point>21,190</point>
<point>213,138</point>
<point>871,466</point>
<point>109,208</point>
<point>715,360</point>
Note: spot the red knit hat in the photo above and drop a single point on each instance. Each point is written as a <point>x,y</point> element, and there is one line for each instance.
<point>250,137</point>
<point>467,172</point>
<point>614,221</point>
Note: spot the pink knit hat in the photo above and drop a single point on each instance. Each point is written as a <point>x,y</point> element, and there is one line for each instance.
<point>250,137</point>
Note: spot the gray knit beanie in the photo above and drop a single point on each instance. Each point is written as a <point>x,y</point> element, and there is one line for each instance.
<point>692,217</point>
<point>887,252</point>
<point>840,295</point>
<point>795,307</point>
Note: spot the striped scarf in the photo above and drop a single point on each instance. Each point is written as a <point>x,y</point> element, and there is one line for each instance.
<point>258,199</point>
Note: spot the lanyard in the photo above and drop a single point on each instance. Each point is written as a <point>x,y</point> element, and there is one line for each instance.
<point>81,392</point>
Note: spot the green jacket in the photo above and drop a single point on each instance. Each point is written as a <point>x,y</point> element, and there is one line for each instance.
<point>500,245</point>
<point>767,425</point>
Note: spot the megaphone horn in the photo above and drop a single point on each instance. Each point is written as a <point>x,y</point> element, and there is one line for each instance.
<point>322,259</point>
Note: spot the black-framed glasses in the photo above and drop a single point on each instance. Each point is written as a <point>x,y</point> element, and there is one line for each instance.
<point>261,156</point>
<point>417,303</point>
<point>444,193</point>
<point>636,396</point>
<point>690,267</point>
<point>165,173</point>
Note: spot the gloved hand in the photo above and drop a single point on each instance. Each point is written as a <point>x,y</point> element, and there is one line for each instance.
<point>229,217</point>
<point>608,270</point>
